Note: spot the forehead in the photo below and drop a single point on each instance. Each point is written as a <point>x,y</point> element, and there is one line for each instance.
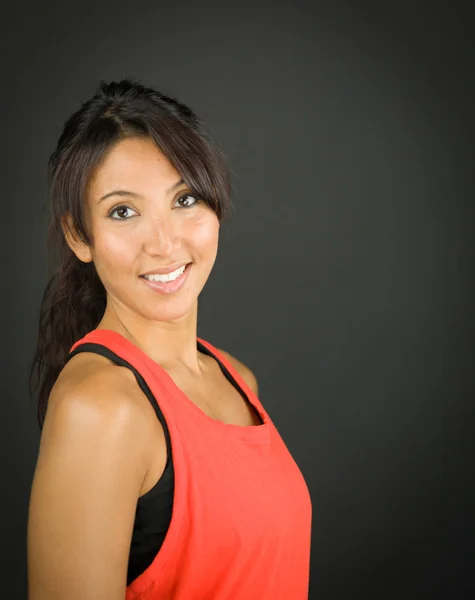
<point>134,164</point>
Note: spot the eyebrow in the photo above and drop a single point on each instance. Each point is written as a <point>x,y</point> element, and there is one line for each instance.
<point>134,195</point>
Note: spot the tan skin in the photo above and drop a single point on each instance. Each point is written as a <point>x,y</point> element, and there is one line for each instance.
<point>102,445</point>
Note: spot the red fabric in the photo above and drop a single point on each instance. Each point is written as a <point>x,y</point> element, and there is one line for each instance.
<point>241,522</point>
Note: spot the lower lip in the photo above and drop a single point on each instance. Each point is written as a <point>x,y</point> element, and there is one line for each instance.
<point>168,287</point>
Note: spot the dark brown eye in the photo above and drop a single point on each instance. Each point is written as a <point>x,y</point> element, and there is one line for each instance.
<point>119,209</point>
<point>189,200</point>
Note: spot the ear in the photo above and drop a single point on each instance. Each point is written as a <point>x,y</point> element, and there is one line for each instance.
<point>80,249</point>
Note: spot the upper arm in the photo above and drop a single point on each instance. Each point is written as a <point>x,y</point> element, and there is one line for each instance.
<point>82,505</point>
<point>243,370</point>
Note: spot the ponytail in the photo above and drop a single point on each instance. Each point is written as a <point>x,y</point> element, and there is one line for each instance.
<point>73,303</point>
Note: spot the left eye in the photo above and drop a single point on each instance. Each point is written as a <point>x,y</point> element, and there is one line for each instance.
<point>190,200</point>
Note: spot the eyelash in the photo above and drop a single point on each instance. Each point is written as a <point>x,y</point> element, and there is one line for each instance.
<point>116,208</point>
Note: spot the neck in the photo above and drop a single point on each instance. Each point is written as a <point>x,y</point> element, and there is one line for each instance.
<point>171,344</point>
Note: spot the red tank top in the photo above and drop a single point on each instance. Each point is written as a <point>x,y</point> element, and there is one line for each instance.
<point>241,520</point>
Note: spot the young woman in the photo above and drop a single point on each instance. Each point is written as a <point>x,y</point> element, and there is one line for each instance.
<point>160,474</point>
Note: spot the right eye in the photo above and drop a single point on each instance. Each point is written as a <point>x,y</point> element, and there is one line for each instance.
<point>122,207</point>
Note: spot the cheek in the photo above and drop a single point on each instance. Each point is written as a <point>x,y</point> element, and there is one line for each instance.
<point>205,232</point>
<point>113,252</point>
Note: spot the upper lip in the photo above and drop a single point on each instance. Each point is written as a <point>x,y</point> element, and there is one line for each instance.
<point>165,270</point>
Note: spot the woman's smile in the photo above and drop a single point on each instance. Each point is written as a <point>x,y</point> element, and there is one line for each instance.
<point>176,281</point>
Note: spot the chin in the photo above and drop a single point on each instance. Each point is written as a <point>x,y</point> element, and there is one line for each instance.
<point>173,313</point>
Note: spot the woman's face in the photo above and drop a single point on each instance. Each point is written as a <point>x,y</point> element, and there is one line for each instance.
<point>155,222</point>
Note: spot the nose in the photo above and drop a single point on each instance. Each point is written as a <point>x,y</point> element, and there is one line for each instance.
<point>162,237</point>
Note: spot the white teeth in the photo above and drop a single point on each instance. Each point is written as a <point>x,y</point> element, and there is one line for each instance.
<point>168,277</point>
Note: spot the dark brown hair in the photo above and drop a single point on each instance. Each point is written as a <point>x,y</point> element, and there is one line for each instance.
<point>74,299</point>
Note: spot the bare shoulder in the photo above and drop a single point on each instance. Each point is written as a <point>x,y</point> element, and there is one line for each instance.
<point>90,469</point>
<point>98,400</point>
<point>243,370</point>
<point>91,387</point>
<point>94,406</point>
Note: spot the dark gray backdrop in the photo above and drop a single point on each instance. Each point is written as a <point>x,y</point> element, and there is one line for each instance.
<point>344,280</point>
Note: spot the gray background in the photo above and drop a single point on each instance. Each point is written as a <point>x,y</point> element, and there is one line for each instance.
<point>345,279</point>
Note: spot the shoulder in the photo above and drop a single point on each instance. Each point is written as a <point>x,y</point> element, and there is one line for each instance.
<point>92,457</point>
<point>92,385</point>
<point>95,402</point>
<point>243,370</point>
